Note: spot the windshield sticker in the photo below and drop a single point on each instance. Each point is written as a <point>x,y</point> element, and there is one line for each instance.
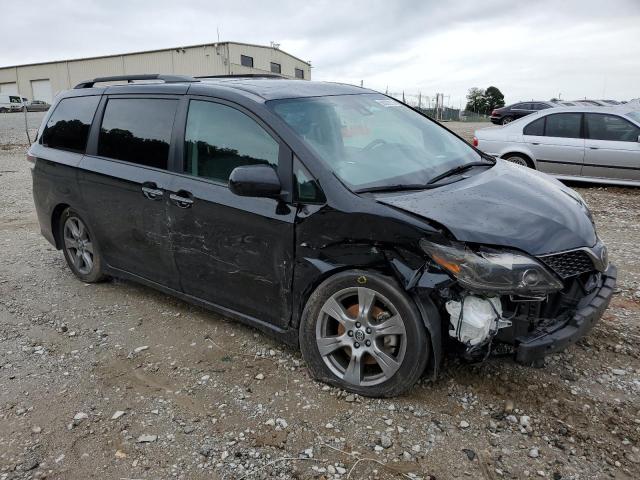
<point>387,102</point>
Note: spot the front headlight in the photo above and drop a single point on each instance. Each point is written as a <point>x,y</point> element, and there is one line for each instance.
<point>490,270</point>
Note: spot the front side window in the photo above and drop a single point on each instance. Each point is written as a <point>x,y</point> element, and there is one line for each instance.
<point>246,61</point>
<point>219,138</point>
<point>566,125</point>
<point>535,128</point>
<point>276,68</point>
<point>372,141</point>
<point>299,73</point>
<point>610,127</point>
<point>138,130</point>
<point>68,127</point>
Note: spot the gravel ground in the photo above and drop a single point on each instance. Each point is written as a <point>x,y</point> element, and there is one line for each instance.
<point>116,380</point>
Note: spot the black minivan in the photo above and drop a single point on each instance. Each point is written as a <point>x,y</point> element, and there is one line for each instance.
<point>333,217</point>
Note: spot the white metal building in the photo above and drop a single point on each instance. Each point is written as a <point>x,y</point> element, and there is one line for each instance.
<point>42,81</point>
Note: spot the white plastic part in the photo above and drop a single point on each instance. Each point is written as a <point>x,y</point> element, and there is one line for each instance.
<point>479,318</point>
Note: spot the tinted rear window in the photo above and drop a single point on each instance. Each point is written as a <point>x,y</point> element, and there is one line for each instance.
<point>566,125</point>
<point>535,128</point>
<point>68,127</point>
<point>138,130</point>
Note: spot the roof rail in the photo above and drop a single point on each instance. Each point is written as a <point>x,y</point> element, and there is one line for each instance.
<point>244,75</point>
<point>131,78</point>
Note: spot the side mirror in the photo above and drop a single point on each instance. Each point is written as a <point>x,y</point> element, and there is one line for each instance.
<point>255,181</point>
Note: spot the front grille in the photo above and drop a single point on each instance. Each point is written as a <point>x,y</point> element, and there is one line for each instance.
<point>569,264</point>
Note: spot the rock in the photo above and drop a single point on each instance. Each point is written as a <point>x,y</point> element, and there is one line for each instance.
<point>329,425</point>
<point>205,450</point>
<point>204,378</point>
<point>631,457</point>
<point>525,421</point>
<point>78,417</point>
<point>378,448</point>
<point>120,454</point>
<point>144,438</point>
<point>385,441</point>
<point>259,376</point>
<point>618,371</point>
<point>36,429</point>
<point>350,398</point>
<point>282,422</point>
<point>508,406</point>
<point>117,414</point>
<point>309,452</point>
<point>469,453</point>
<point>271,422</point>
<point>464,424</point>
<point>331,469</point>
<point>341,470</point>
<point>188,429</point>
<point>140,349</point>
<point>534,453</point>
<point>512,419</point>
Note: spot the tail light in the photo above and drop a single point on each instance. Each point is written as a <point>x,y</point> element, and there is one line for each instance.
<point>475,141</point>
<point>31,158</point>
<point>494,113</point>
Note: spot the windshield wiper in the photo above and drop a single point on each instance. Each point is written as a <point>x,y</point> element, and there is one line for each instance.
<point>393,188</point>
<point>458,169</point>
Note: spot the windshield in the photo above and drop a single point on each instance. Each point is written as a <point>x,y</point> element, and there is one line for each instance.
<point>372,141</point>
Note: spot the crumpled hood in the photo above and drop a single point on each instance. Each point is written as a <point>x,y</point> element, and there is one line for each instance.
<point>507,205</point>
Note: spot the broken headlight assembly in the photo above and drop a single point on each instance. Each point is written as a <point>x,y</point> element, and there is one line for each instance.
<point>492,271</point>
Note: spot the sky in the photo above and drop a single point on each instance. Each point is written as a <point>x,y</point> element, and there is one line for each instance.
<point>533,49</point>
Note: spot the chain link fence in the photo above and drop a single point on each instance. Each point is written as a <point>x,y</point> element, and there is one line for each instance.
<point>436,108</point>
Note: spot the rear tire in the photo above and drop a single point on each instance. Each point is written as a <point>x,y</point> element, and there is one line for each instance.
<point>519,160</point>
<point>80,248</point>
<point>507,120</point>
<point>362,333</point>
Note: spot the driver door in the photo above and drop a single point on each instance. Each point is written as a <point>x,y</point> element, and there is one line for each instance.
<point>235,252</point>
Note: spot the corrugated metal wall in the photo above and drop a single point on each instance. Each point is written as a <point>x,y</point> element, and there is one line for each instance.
<point>212,59</point>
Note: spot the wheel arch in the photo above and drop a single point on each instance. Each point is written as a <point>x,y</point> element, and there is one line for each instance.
<point>520,153</point>
<point>406,279</point>
<point>56,215</point>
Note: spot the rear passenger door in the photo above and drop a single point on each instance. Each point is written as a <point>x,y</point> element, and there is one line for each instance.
<point>612,147</point>
<point>236,252</point>
<point>124,180</point>
<point>556,142</point>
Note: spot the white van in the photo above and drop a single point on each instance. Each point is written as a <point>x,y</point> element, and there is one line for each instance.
<point>10,103</point>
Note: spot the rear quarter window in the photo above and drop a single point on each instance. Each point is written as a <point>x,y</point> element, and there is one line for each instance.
<point>534,128</point>
<point>69,124</point>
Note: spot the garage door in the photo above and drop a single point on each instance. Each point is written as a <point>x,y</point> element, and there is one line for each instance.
<point>42,90</point>
<point>8,89</point>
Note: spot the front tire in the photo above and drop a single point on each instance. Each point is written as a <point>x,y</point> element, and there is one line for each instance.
<point>506,120</point>
<point>362,333</point>
<point>80,248</point>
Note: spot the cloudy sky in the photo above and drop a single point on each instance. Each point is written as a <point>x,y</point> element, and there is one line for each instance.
<point>528,49</point>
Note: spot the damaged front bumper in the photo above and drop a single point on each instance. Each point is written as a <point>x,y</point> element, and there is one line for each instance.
<point>552,338</point>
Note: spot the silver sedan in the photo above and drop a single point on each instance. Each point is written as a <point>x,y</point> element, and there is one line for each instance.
<point>593,144</point>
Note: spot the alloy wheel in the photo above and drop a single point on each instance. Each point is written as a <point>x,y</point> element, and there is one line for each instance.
<point>518,161</point>
<point>361,336</point>
<point>78,245</point>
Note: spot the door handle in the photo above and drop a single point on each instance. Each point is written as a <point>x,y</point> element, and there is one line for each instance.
<point>534,143</point>
<point>594,148</point>
<point>182,199</point>
<point>151,191</point>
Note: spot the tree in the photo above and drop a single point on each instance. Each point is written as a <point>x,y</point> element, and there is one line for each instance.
<point>494,98</point>
<point>476,101</point>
